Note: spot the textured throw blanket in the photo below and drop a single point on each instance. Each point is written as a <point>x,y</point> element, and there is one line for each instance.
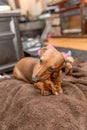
<point>23,108</point>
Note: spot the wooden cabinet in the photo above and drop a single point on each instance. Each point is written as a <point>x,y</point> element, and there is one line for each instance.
<point>73,15</point>
<point>10,45</point>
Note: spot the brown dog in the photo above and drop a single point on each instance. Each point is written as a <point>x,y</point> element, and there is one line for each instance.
<point>42,72</point>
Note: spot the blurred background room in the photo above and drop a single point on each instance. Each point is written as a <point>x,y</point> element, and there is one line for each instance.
<point>28,25</point>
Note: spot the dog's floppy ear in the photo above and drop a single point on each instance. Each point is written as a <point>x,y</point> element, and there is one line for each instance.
<point>42,51</point>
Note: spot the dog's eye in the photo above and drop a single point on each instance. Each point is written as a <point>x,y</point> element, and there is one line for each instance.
<point>50,69</point>
<point>41,61</point>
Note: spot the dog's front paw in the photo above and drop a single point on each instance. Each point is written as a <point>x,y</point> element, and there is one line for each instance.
<point>60,90</point>
<point>39,85</point>
<point>56,93</point>
<point>45,93</point>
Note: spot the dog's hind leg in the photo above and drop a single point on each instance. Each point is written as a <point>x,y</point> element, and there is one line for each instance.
<point>17,74</point>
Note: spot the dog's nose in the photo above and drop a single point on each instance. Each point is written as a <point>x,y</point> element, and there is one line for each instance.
<point>35,79</point>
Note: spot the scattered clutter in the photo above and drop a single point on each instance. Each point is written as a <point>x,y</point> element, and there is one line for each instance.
<point>31,46</point>
<point>5,76</point>
<point>4,6</point>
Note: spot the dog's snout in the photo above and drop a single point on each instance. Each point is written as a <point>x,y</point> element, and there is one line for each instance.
<point>35,79</point>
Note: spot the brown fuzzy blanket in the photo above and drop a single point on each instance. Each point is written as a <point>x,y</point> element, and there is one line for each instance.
<point>23,108</point>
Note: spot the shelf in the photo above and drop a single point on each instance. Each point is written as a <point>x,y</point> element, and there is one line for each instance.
<point>11,13</point>
<point>65,8</point>
<point>86,18</point>
<point>68,9</point>
<point>58,3</point>
<point>6,35</point>
<point>69,36</point>
<point>56,25</point>
<point>31,25</point>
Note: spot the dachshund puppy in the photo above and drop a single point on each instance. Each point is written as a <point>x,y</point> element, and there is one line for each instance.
<point>34,70</point>
<point>53,83</point>
<point>42,72</point>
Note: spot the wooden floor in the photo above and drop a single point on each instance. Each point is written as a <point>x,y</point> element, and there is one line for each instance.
<point>74,43</point>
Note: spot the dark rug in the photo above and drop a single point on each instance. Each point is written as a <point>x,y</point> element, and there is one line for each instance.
<point>75,53</point>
